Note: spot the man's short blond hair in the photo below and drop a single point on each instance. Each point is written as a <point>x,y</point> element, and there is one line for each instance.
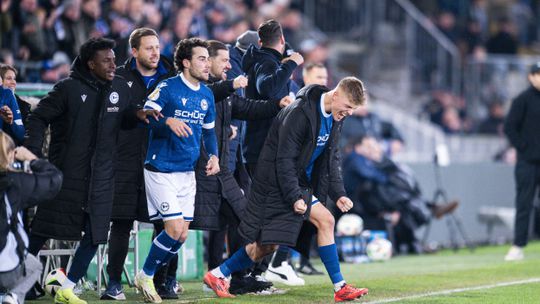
<point>355,90</point>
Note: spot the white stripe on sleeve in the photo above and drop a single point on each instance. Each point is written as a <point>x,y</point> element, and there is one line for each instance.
<point>209,125</point>
<point>153,105</point>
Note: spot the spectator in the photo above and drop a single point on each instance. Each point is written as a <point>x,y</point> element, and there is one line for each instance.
<point>20,189</point>
<point>5,20</point>
<point>10,116</point>
<point>30,30</point>
<point>384,191</point>
<point>56,68</point>
<point>9,77</point>
<point>364,122</point>
<point>493,124</point>
<point>70,29</point>
<point>91,14</point>
<point>503,41</point>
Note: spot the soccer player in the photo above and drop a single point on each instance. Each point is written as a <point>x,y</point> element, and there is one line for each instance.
<point>298,168</point>
<point>174,146</point>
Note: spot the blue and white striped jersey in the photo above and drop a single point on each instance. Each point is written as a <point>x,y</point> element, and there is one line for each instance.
<point>177,98</point>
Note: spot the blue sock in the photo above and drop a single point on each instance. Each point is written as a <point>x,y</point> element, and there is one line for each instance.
<point>239,261</point>
<point>172,253</point>
<point>159,252</point>
<point>329,257</point>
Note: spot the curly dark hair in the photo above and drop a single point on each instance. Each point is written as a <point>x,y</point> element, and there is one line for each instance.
<point>89,49</point>
<point>184,50</point>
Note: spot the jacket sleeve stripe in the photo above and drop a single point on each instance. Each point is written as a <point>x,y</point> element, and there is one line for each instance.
<point>152,105</point>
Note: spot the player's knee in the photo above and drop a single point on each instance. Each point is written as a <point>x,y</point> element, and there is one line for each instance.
<point>326,223</point>
<point>175,232</point>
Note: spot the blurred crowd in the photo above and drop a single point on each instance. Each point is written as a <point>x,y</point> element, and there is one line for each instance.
<point>481,28</point>
<point>42,37</point>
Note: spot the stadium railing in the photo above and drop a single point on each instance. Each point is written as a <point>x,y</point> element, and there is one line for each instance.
<point>494,78</point>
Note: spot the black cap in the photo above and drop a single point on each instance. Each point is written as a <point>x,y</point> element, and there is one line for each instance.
<point>535,68</point>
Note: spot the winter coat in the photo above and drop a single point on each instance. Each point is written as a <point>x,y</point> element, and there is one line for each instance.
<point>211,189</point>
<point>23,190</point>
<point>522,124</point>
<point>129,194</point>
<point>84,115</point>
<point>280,179</point>
<point>269,80</point>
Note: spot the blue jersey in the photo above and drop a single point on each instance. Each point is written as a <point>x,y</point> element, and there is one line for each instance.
<point>324,134</point>
<point>7,98</point>
<point>175,97</point>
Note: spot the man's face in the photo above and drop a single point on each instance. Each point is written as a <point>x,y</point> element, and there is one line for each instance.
<point>102,65</point>
<point>199,66</point>
<point>10,81</point>
<point>341,105</point>
<point>220,64</point>
<point>316,75</point>
<point>147,54</point>
<point>535,80</point>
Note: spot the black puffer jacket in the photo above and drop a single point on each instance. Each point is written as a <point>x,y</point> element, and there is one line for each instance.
<point>84,115</point>
<point>280,179</point>
<point>211,189</point>
<point>129,194</point>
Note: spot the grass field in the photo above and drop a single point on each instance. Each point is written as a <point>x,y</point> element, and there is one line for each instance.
<point>446,277</point>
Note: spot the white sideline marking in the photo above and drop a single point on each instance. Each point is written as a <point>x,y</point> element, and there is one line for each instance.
<point>450,291</point>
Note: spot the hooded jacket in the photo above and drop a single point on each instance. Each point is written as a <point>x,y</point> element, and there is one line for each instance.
<point>280,179</point>
<point>269,80</point>
<point>84,115</point>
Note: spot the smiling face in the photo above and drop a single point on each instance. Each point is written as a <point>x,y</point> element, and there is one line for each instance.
<point>10,81</point>
<point>147,55</point>
<point>220,64</point>
<point>102,65</point>
<point>198,67</point>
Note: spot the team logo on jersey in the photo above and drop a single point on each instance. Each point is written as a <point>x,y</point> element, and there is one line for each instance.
<point>130,83</point>
<point>204,104</point>
<point>164,206</point>
<point>184,101</point>
<point>83,97</point>
<point>154,95</point>
<point>114,97</point>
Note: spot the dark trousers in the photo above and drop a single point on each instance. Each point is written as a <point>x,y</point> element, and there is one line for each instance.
<point>83,255</point>
<point>527,177</point>
<point>216,239</point>
<point>168,269</point>
<point>118,247</point>
<point>261,266</point>
<point>305,240</point>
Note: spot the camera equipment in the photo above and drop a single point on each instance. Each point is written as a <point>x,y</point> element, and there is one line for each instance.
<point>453,222</point>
